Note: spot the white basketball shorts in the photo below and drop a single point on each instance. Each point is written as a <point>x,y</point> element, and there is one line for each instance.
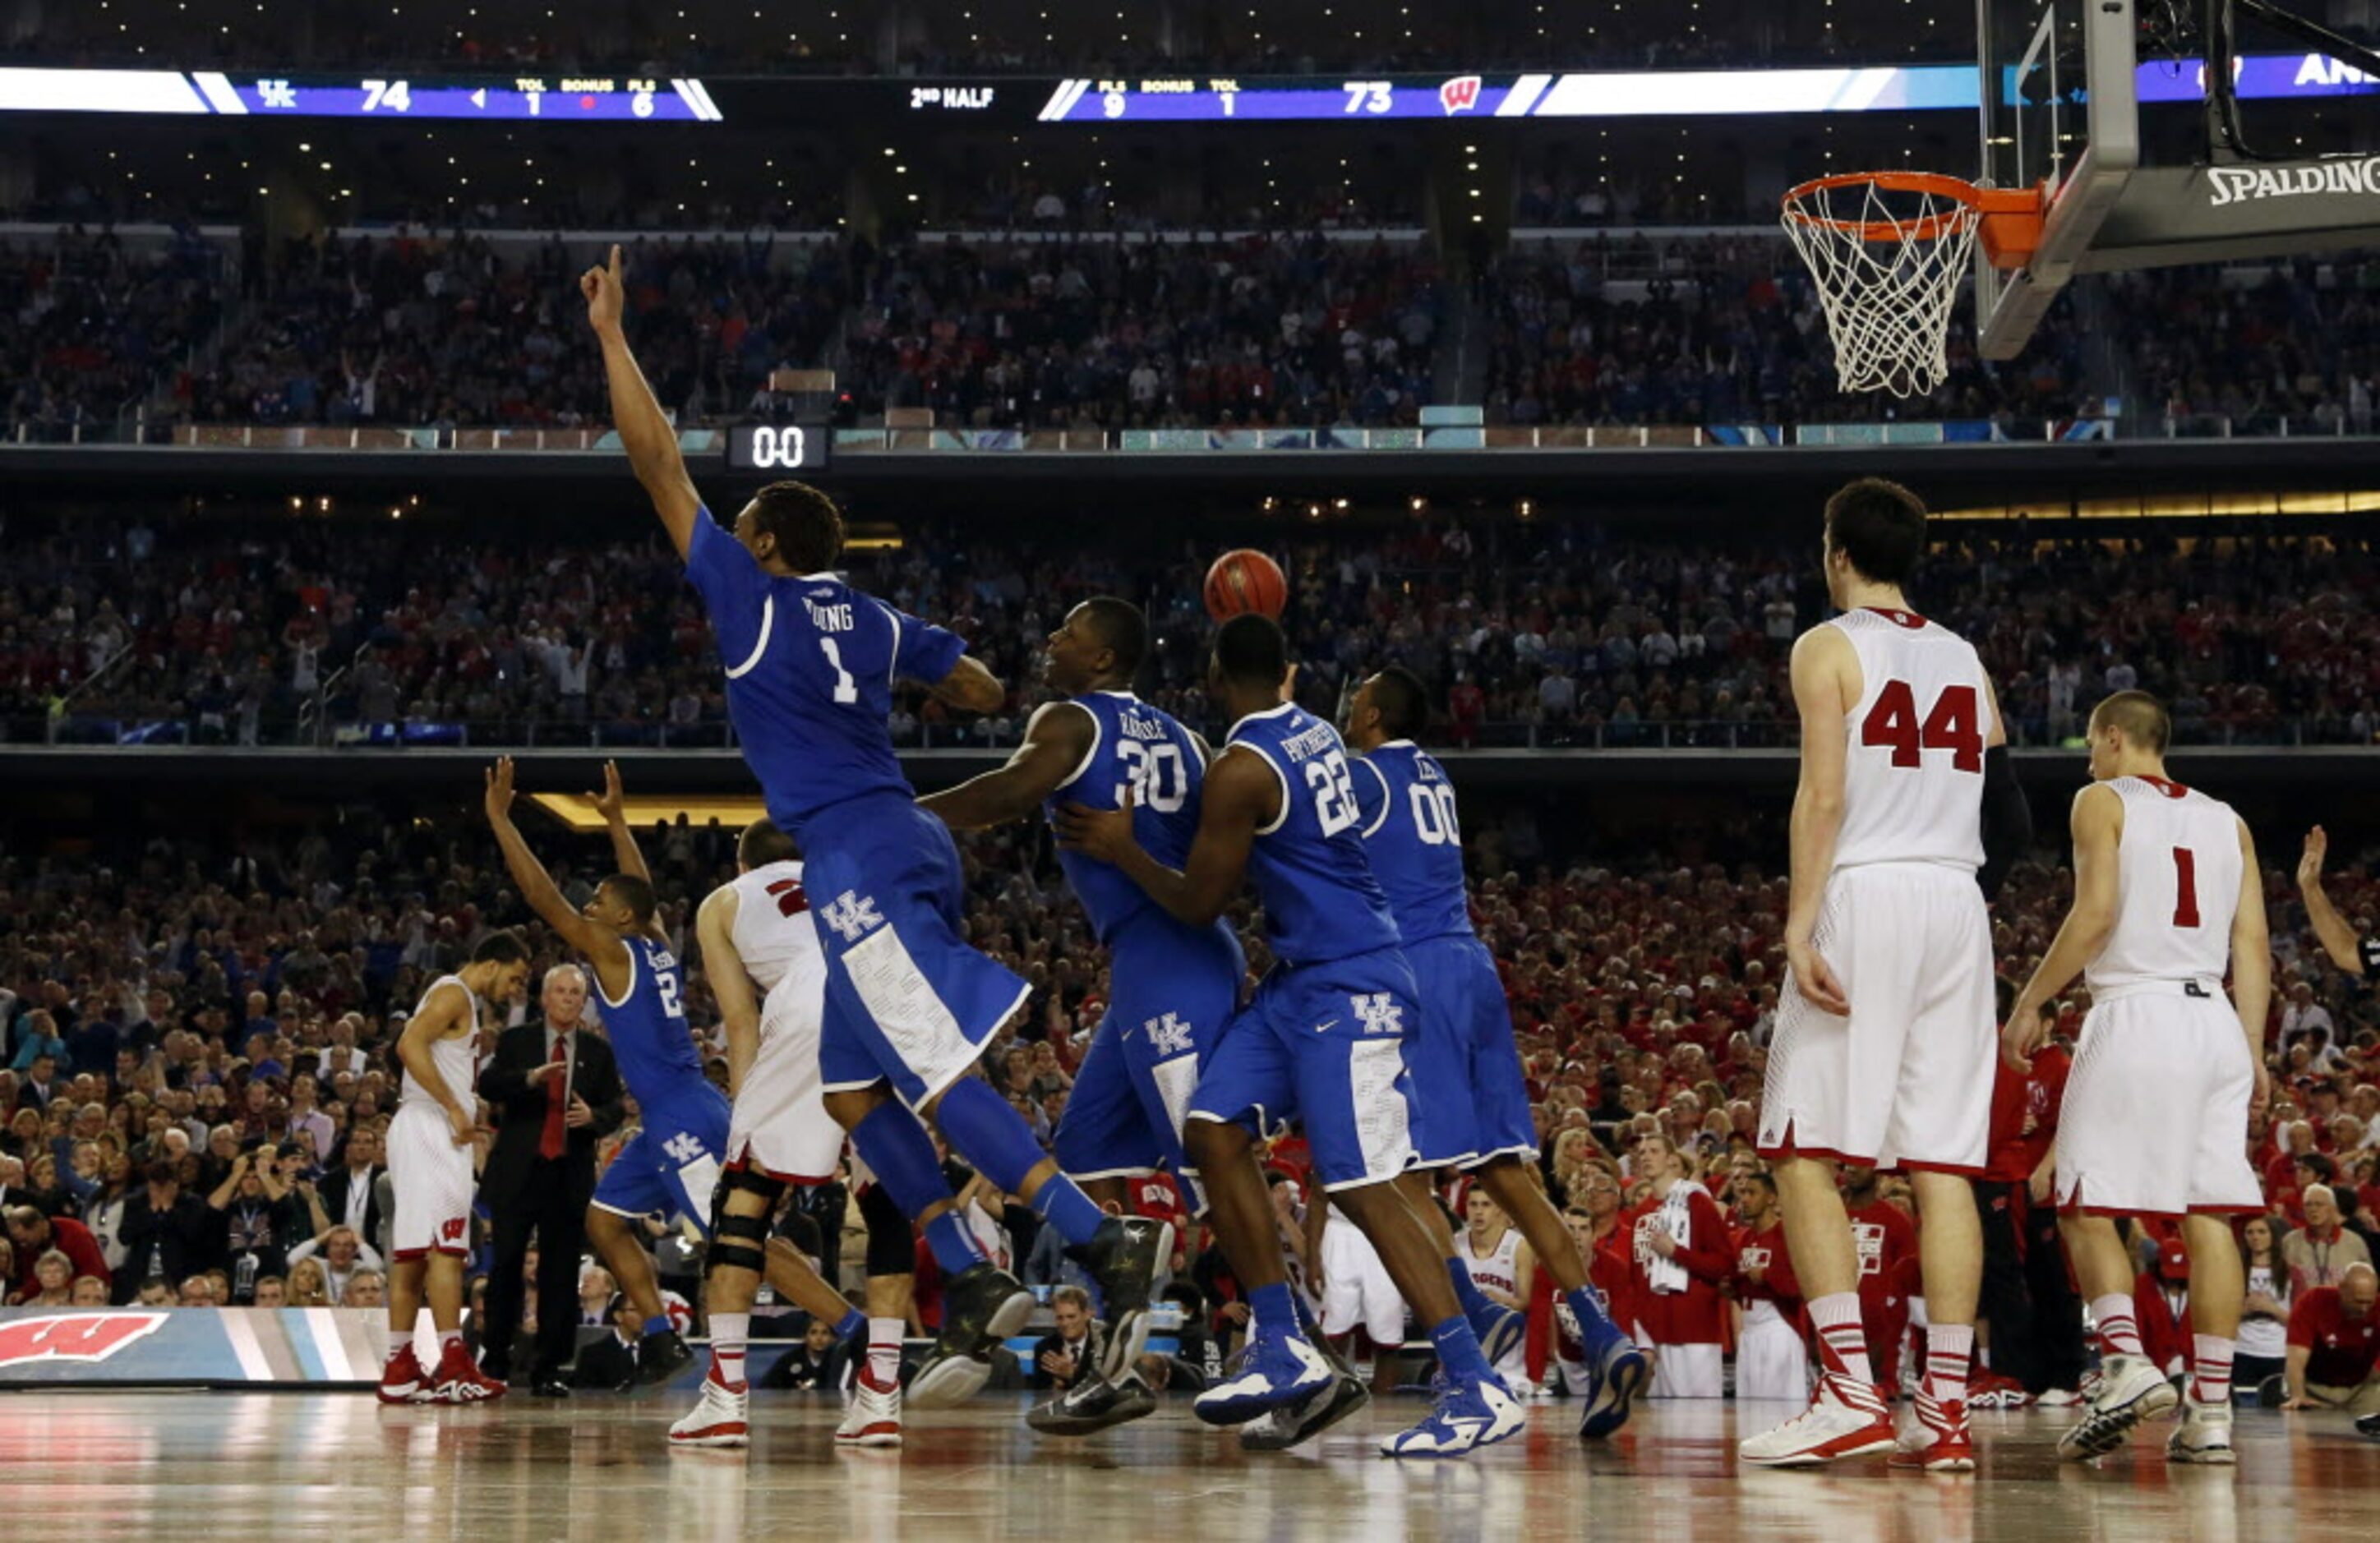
<point>2155,1121</point>
<point>434,1183</point>
<point>1906,1079</point>
<point>1357,1288</point>
<point>780,1123</point>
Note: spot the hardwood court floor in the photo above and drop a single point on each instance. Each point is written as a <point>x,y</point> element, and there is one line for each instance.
<point>257,1465</point>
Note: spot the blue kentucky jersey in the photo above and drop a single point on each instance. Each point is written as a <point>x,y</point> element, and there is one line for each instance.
<point>1320,900</point>
<point>647,1030</point>
<point>1141,748</point>
<point>1407,807</point>
<point>810,664</point>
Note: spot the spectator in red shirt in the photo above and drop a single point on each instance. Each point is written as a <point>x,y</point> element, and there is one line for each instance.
<point>33,1234</point>
<point>2334,1344</point>
<point>1886,1241</point>
<point>1772,1361</point>
<point>2029,1321</point>
<point>2161,1303</point>
<point>1682,1259</point>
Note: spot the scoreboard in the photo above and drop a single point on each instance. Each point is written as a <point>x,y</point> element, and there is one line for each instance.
<point>573,99</point>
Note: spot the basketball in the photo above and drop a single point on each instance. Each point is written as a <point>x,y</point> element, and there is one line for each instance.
<point>1245,580</point>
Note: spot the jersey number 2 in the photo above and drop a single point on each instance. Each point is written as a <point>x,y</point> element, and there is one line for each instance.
<point>1952,726</point>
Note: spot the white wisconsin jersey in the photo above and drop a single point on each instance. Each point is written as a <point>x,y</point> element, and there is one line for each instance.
<point>774,933</point>
<point>1500,1268</point>
<point>1913,775</point>
<point>2177,887</point>
<point>456,1057</point>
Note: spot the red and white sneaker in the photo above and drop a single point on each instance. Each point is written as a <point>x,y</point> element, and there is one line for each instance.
<point>1991,1391</point>
<point>403,1381</point>
<point>459,1380</point>
<point>720,1418</point>
<point>873,1417</point>
<point>1845,1420</point>
<point>1938,1442</point>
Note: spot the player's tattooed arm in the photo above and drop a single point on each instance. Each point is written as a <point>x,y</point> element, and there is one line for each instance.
<point>2098,827</point>
<point>2337,939</point>
<point>601,946</point>
<point>971,686</point>
<point>1056,740</point>
<point>1242,793</point>
<point>739,1012</point>
<point>645,430</point>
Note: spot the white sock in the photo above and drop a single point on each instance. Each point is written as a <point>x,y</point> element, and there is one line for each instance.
<point>884,1337</point>
<point>729,1332</point>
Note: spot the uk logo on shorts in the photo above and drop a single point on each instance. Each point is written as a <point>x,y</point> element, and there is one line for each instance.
<point>1168,1036</point>
<point>1381,1012</point>
<point>852,916</point>
<point>682,1148</point>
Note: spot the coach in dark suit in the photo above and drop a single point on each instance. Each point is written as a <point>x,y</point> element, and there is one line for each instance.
<point>554,1091</point>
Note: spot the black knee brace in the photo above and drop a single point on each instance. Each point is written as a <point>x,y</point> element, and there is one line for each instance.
<point>892,1242</point>
<point>736,1242</point>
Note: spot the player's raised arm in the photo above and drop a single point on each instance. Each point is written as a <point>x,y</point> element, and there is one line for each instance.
<point>971,686</point>
<point>2337,939</point>
<point>446,1010</point>
<point>613,805</point>
<point>600,944</point>
<point>1819,658</point>
<point>1242,792</point>
<point>1057,738</point>
<point>2251,961</point>
<point>740,1011</point>
<point>645,432</point>
<point>2098,826</point>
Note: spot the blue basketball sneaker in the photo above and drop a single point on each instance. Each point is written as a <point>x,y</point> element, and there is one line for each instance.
<point>1467,1414</point>
<point>1620,1374</point>
<point>1499,1330</point>
<point>1277,1370</point>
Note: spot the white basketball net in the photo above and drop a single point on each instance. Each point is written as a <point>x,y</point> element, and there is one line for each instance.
<point>1887,265</point>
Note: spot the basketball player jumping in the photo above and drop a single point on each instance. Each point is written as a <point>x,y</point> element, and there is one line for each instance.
<point>1174,986</point>
<point>1882,1052</point>
<point>810,666</point>
<point>1473,1112</point>
<point>672,1164</point>
<point>430,1167</point>
<point>756,937</point>
<point>2155,1121</point>
<point>1322,1041</point>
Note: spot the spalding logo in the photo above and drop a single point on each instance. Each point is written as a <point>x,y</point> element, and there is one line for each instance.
<point>73,1336</point>
<point>1460,95</point>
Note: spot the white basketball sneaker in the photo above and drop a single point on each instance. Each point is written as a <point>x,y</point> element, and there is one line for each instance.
<point>1846,1418</point>
<point>873,1417</point>
<point>2131,1390</point>
<point>2204,1435</point>
<point>720,1418</point>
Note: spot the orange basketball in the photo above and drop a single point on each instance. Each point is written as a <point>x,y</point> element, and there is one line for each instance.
<point>1243,581</point>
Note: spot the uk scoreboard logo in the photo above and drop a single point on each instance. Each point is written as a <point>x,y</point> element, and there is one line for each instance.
<point>73,1336</point>
<point>1460,95</point>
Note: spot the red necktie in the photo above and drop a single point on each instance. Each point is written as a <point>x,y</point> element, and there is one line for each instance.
<point>550,1143</point>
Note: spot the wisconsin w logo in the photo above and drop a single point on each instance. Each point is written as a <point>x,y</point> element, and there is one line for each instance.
<point>74,1336</point>
<point>852,916</point>
<point>1167,1036</point>
<point>1380,1012</point>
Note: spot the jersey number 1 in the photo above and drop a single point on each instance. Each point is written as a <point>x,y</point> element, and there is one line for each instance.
<point>2185,887</point>
<point>1952,726</point>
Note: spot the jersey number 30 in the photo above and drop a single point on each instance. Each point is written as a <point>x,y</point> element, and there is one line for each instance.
<point>1954,725</point>
<point>1155,773</point>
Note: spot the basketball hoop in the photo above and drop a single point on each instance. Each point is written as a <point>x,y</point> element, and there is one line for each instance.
<point>1887,250</point>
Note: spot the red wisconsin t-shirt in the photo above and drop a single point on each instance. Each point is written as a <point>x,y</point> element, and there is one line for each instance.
<point>2024,1114</point>
<point>2341,1350</point>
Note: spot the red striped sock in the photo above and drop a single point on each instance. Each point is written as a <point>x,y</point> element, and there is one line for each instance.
<point>2119,1332</point>
<point>2210,1368</point>
<point>1842,1344</point>
<point>1949,1348</point>
<point>729,1333</point>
